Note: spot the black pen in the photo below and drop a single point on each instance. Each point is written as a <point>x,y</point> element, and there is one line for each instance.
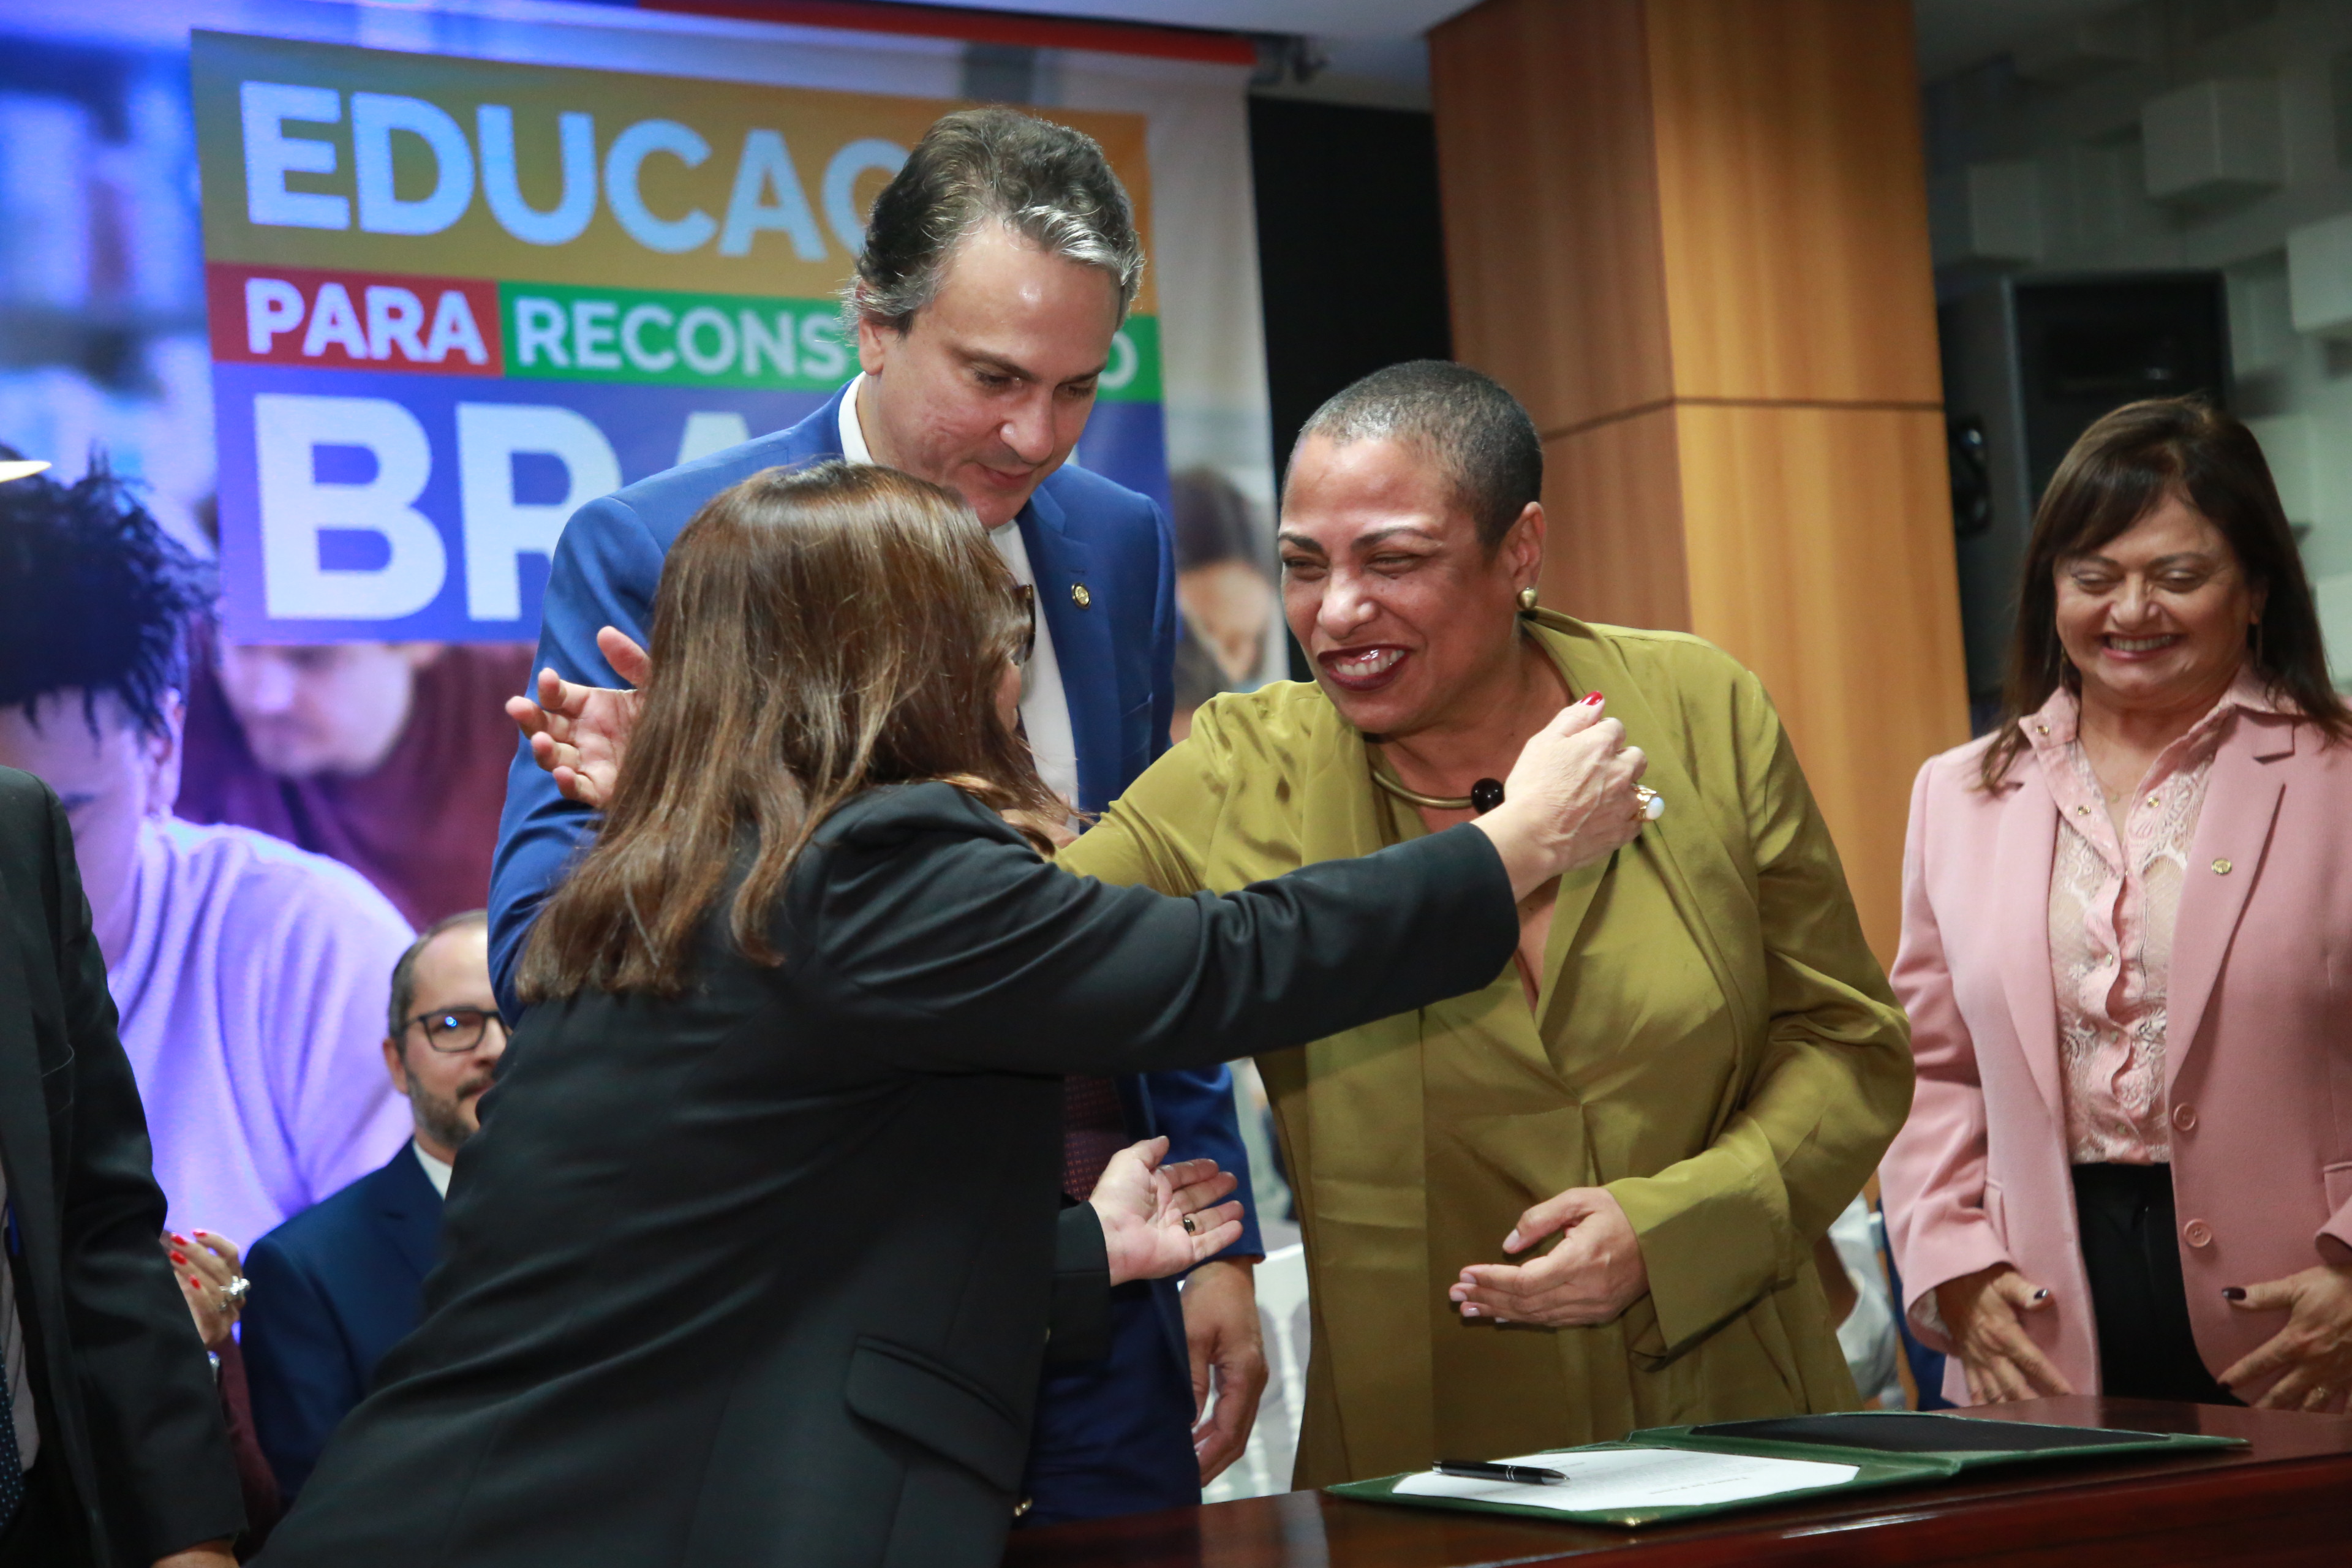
<point>1478,1470</point>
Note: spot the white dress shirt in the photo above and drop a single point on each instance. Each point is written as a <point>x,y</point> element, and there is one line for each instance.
<point>437,1170</point>
<point>1045,711</point>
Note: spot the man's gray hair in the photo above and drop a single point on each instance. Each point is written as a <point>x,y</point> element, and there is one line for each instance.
<point>1465,422</point>
<point>1048,183</point>
<point>404,973</point>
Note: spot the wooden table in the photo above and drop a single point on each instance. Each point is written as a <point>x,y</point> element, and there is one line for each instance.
<point>2286,1499</point>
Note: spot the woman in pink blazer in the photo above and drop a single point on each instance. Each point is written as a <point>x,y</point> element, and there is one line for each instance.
<point>2127,958</point>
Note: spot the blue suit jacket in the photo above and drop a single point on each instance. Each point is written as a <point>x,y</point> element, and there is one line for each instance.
<point>1116,655</point>
<point>333,1288</point>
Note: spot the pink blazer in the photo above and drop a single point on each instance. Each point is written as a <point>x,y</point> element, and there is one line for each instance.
<point>2258,1051</point>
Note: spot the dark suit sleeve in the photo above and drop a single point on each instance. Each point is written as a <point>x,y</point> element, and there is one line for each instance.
<point>166,1476</point>
<point>953,947</point>
<point>605,571</point>
<point>1195,1106</point>
<point>297,1365</point>
<point>1079,1325</point>
<point>1164,635</point>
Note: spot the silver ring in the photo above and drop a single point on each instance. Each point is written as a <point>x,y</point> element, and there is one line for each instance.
<point>1188,1225</point>
<point>234,1292</point>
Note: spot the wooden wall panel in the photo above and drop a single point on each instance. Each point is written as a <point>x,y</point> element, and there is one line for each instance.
<point>1692,236</point>
<point>1820,555</point>
<point>1548,177</point>
<point>1792,200</point>
<point>1612,517</point>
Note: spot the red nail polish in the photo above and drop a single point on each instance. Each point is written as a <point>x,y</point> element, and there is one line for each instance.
<point>196,1282</point>
<point>180,1239</point>
<point>1591,697</point>
<point>179,1257</point>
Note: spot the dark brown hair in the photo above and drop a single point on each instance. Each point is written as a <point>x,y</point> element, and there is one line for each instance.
<point>404,973</point>
<point>817,632</point>
<point>2121,469</point>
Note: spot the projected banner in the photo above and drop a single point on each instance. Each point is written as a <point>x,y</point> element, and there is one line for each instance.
<point>450,300</point>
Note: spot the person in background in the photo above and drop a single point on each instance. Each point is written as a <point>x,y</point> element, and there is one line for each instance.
<point>338,1285</point>
<point>998,262</point>
<point>1222,589</point>
<point>389,757</point>
<point>111,1447</point>
<point>2125,914</point>
<point>249,972</point>
<point>213,1283</point>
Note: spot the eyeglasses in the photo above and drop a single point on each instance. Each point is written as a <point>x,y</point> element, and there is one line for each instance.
<point>452,1031</point>
<point>1025,595</point>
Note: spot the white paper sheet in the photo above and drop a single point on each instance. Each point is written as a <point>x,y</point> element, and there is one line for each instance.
<point>1614,1478</point>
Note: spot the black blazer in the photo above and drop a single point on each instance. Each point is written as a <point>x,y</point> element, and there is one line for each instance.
<point>760,1275</point>
<point>120,1384</point>
<point>333,1288</point>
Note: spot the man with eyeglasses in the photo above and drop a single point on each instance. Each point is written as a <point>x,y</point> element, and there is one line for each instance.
<point>338,1285</point>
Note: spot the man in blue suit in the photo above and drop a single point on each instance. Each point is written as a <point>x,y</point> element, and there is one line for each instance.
<point>338,1285</point>
<point>998,264</point>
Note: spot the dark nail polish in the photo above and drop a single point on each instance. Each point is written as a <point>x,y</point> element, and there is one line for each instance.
<point>2233,1292</point>
<point>2042,1294</point>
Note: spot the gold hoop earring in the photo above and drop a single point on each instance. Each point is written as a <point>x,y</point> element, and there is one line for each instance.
<point>1526,600</point>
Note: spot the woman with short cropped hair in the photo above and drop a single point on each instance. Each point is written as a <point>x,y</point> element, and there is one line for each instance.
<point>754,1259</point>
<point>2128,1168</point>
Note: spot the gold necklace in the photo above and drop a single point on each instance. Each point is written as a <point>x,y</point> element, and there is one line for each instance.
<point>1484,796</point>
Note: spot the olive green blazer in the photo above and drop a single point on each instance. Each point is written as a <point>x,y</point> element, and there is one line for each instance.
<point>1713,1042</point>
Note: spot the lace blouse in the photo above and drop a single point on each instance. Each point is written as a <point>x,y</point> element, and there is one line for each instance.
<point>2112,902</point>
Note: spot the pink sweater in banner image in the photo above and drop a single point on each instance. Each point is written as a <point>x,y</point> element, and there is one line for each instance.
<point>253,992</point>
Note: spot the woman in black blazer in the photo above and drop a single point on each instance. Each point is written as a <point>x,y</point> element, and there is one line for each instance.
<point>754,1258</point>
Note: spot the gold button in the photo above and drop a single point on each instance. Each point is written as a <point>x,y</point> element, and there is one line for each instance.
<point>1079,596</point>
<point>2221,867</point>
<point>2082,811</point>
<point>2151,800</point>
<point>2041,729</point>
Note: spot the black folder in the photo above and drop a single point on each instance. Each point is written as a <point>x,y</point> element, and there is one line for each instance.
<point>1883,1448</point>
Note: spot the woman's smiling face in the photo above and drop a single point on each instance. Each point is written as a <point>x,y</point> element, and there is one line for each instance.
<point>1387,586</point>
<point>2156,619</point>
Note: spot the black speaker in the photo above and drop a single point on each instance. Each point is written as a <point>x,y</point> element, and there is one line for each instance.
<point>2029,365</point>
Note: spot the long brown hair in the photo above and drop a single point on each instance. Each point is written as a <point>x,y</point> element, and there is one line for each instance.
<point>817,632</point>
<point>2121,469</point>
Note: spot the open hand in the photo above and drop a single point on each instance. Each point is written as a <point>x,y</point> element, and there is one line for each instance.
<point>1158,1219</point>
<point>1999,1359</point>
<point>1594,1274</point>
<point>579,733</point>
<point>2312,1356</point>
